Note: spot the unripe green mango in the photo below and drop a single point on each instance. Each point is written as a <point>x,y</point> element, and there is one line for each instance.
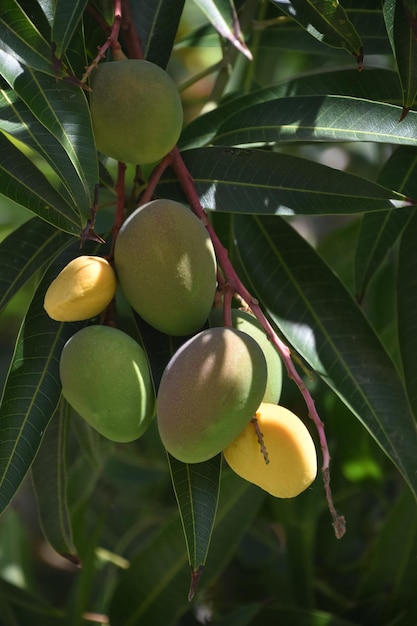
<point>166,266</point>
<point>106,379</point>
<point>208,393</point>
<point>247,323</point>
<point>136,111</point>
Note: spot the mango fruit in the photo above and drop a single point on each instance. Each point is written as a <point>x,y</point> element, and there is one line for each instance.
<point>166,266</point>
<point>247,323</point>
<point>286,464</point>
<point>106,379</point>
<point>209,392</point>
<point>136,111</point>
<point>83,289</point>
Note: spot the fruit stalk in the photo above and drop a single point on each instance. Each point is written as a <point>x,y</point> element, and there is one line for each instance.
<point>234,284</point>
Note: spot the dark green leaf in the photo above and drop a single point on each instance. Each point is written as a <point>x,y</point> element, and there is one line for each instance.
<point>21,608</point>
<point>374,84</point>
<point>62,109</point>
<point>26,185</point>
<point>318,118</point>
<point>66,19</point>
<point>379,231</point>
<point>24,252</point>
<point>326,20</point>
<point>157,24</point>
<point>402,33</point>
<point>406,308</point>
<point>50,482</point>
<point>321,320</point>
<point>257,181</point>
<point>154,589</point>
<point>32,390</point>
<point>196,488</point>
<point>223,16</point>
<point>22,41</point>
<point>21,124</point>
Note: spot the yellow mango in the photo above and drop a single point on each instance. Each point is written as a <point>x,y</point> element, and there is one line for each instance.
<point>286,463</point>
<point>83,289</point>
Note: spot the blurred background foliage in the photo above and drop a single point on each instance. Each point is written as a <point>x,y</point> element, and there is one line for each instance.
<point>271,561</point>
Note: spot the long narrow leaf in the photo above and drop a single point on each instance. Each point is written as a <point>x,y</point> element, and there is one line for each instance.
<point>257,181</point>
<point>24,252</point>
<point>26,185</point>
<point>62,109</point>
<point>326,20</point>
<point>321,320</point>
<point>223,16</point>
<point>31,392</point>
<point>50,484</point>
<point>196,488</point>
<point>379,231</point>
<point>66,19</point>
<point>318,118</point>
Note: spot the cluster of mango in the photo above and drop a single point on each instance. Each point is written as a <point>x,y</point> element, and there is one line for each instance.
<point>221,388</point>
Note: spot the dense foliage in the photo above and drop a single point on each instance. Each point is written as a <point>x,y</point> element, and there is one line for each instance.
<point>300,143</point>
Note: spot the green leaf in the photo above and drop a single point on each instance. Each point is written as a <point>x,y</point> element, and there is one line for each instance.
<point>154,588</point>
<point>32,390</point>
<point>257,181</point>
<point>22,41</point>
<point>321,320</point>
<point>21,608</point>
<point>380,85</point>
<point>196,489</point>
<point>156,24</point>
<point>22,125</point>
<point>223,16</point>
<point>50,484</point>
<point>24,252</point>
<point>62,110</point>
<point>26,185</point>
<point>66,19</point>
<point>318,118</point>
<point>391,575</point>
<point>406,308</point>
<point>326,20</point>
<point>402,33</point>
<point>379,231</point>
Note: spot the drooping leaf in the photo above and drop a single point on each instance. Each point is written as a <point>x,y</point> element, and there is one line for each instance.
<point>406,308</point>
<point>326,20</point>
<point>157,25</point>
<point>32,390</point>
<point>67,16</point>
<point>22,40</point>
<point>401,28</point>
<point>50,483</point>
<point>24,252</point>
<point>154,588</point>
<point>319,317</point>
<point>223,16</point>
<point>379,231</point>
<point>26,185</point>
<point>196,488</point>
<point>18,122</point>
<point>63,111</point>
<point>375,84</point>
<point>317,118</point>
<point>258,181</point>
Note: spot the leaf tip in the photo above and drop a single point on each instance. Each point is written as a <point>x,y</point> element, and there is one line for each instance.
<point>195,579</point>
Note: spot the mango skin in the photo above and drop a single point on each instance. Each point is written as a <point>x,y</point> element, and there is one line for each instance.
<point>166,266</point>
<point>136,111</point>
<point>83,289</point>
<point>291,452</point>
<point>106,379</point>
<point>208,392</point>
<point>247,323</point>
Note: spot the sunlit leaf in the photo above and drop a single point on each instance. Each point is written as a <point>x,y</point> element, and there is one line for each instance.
<point>319,317</point>
<point>223,16</point>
